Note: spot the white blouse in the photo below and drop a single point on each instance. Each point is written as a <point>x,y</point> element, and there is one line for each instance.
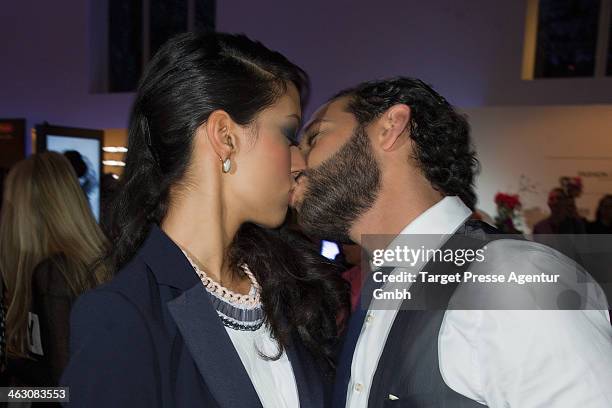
<point>273,380</point>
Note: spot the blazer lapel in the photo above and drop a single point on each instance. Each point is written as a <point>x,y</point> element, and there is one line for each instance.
<point>206,337</point>
<point>212,349</point>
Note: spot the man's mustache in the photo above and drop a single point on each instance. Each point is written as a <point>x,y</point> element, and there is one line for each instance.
<point>302,177</point>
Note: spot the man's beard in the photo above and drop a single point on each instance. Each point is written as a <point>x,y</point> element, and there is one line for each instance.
<point>340,190</point>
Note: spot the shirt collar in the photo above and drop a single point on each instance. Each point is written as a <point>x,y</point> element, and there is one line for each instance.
<point>443,218</point>
<point>434,226</point>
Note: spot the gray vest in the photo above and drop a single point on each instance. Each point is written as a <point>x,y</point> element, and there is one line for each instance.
<point>409,367</point>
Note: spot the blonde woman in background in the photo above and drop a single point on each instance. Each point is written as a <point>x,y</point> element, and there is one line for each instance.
<point>50,245</point>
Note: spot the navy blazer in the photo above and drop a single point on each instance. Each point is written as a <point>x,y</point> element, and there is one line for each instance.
<point>151,338</point>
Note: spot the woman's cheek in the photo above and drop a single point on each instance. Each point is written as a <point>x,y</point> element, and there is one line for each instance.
<point>280,163</point>
<point>284,162</point>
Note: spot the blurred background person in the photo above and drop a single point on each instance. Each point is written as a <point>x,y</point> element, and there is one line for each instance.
<point>77,162</point>
<point>603,217</point>
<point>50,246</point>
<point>564,229</point>
<point>83,170</point>
<point>599,257</point>
<point>564,218</point>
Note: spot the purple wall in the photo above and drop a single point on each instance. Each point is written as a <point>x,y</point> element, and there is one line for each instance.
<point>471,52</point>
<point>44,74</point>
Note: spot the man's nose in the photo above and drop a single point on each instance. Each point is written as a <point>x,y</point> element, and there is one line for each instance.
<point>298,162</point>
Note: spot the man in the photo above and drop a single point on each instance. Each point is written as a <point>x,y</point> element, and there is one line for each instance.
<point>393,158</point>
<point>564,218</point>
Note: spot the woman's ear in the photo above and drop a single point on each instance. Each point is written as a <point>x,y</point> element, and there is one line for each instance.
<point>220,130</point>
<point>394,122</point>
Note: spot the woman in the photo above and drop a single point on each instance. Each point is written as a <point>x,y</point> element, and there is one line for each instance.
<point>603,219</point>
<point>49,241</point>
<point>209,308</point>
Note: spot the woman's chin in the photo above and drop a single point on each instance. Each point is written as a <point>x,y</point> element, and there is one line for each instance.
<point>274,220</point>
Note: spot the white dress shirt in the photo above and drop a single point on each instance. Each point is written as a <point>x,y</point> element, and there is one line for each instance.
<point>274,381</point>
<point>503,358</point>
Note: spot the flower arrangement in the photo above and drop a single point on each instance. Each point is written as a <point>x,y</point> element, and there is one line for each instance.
<point>508,206</point>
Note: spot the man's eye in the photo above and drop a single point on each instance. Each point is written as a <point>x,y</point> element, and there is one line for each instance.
<point>312,139</point>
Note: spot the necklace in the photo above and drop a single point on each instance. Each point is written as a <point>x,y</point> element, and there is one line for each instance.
<point>237,311</point>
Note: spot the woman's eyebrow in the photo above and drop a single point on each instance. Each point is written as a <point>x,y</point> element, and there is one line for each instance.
<point>297,117</point>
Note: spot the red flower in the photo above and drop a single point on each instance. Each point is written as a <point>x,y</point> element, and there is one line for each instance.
<point>510,201</point>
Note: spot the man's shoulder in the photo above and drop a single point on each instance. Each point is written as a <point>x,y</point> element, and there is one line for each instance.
<point>522,275</point>
<point>523,250</point>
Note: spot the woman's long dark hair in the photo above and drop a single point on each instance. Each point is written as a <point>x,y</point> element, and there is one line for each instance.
<point>191,76</point>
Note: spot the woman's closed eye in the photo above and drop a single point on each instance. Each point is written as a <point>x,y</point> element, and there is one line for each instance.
<point>291,135</point>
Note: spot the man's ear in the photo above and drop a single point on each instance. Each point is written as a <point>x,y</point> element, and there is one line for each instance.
<point>220,131</point>
<point>394,123</point>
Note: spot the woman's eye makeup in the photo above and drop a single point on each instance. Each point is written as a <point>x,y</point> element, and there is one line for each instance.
<point>291,133</point>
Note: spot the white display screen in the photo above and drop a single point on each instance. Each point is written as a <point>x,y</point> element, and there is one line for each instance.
<point>329,249</point>
<point>90,153</point>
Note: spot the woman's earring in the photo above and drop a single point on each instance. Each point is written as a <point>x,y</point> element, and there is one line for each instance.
<point>227,165</point>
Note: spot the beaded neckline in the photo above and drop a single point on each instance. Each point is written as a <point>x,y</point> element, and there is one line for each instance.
<point>237,311</point>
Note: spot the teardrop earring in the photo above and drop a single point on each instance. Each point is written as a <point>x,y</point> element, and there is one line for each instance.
<point>227,165</point>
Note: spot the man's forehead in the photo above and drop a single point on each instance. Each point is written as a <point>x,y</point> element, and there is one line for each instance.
<point>327,111</point>
<point>318,116</point>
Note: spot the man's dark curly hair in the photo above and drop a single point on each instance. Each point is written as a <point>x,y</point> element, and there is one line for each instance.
<point>440,135</point>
